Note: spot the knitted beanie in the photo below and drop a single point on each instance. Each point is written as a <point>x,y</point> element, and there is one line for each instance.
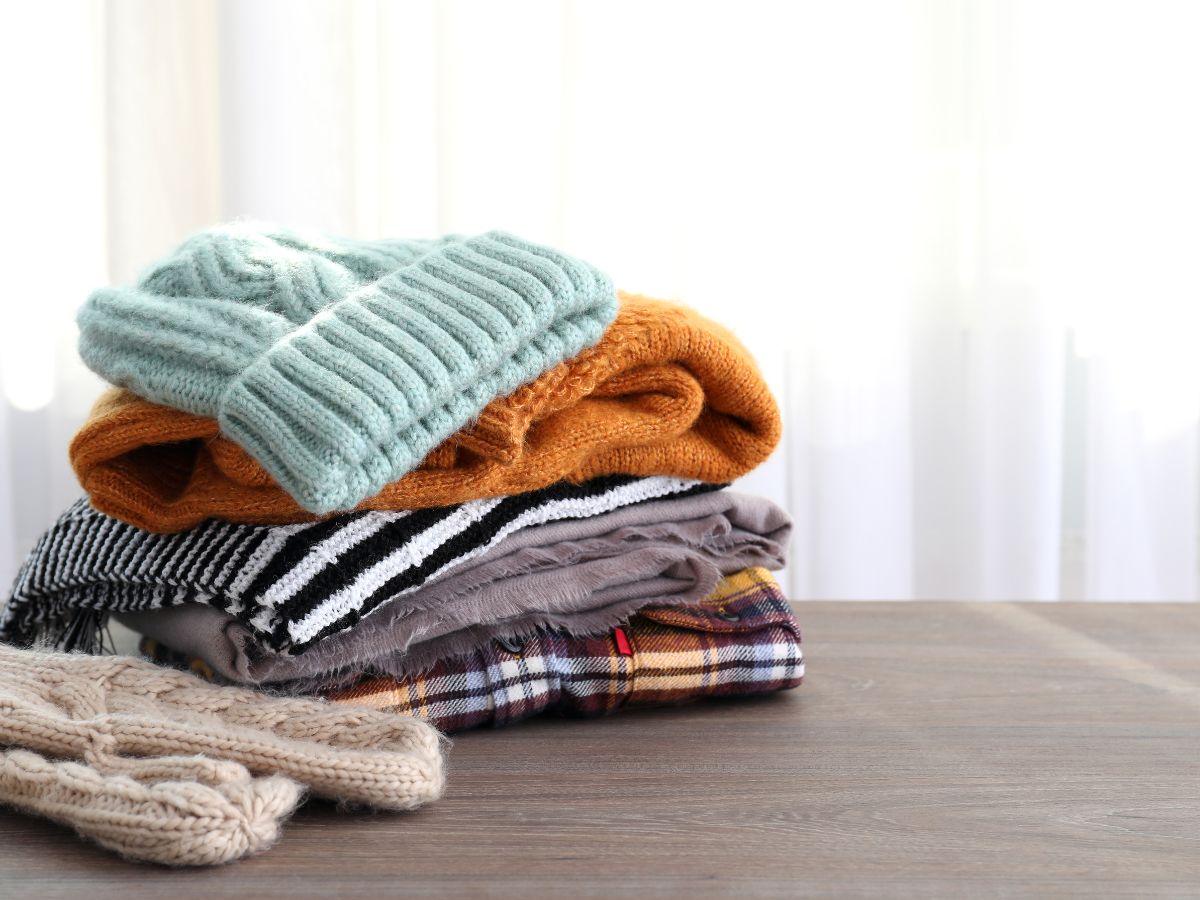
<point>339,364</point>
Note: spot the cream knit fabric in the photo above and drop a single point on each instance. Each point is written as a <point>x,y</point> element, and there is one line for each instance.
<point>159,765</point>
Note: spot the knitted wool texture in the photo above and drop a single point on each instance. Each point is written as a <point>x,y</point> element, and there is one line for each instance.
<point>183,811</point>
<point>339,364</point>
<point>664,392</point>
<point>161,765</point>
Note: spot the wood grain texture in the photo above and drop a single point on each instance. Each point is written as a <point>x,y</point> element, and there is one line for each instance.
<point>936,749</point>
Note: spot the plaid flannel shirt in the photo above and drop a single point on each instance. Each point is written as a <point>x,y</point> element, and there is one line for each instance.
<point>742,639</point>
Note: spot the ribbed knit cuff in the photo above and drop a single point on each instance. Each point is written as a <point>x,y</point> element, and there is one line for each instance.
<point>359,395</point>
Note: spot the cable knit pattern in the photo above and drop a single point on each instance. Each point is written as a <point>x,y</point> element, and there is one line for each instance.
<point>160,765</point>
<point>339,364</point>
<point>665,392</point>
<point>179,820</point>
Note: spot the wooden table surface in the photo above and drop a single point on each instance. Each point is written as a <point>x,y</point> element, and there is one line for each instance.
<point>936,749</point>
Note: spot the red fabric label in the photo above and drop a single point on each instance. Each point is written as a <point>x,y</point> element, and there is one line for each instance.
<point>622,640</point>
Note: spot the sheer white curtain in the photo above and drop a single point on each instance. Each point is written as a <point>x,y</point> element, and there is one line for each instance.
<point>959,235</point>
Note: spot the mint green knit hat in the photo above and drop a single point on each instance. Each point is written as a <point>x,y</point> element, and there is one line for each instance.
<point>339,364</point>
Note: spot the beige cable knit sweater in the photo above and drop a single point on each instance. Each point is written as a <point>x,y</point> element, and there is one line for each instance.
<point>159,765</point>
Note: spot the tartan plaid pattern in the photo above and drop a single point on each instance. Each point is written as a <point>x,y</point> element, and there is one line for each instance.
<point>741,639</point>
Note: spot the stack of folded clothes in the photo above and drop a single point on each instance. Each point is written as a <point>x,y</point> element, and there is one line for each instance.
<point>462,479</point>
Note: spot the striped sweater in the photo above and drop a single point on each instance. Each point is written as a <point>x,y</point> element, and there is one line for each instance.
<point>292,585</point>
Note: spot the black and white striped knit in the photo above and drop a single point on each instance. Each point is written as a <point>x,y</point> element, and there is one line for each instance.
<point>292,585</point>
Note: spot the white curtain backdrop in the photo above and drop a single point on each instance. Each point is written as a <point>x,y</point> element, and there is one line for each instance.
<point>959,235</point>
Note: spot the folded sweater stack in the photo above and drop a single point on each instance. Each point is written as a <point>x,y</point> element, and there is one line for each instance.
<point>462,479</point>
